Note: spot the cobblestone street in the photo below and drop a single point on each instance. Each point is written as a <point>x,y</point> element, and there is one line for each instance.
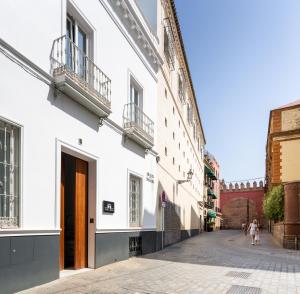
<point>217,262</point>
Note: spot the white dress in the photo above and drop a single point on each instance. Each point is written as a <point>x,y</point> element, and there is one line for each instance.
<point>253,228</point>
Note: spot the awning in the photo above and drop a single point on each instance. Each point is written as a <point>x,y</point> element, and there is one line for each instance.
<point>210,172</point>
<point>211,213</point>
<point>212,194</point>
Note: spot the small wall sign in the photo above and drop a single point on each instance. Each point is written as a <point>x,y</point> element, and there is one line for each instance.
<point>108,207</point>
<point>150,178</point>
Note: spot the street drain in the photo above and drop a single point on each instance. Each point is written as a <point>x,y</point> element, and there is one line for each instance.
<point>243,275</point>
<point>236,289</point>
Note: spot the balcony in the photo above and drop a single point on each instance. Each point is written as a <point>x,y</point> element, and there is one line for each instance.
<point>209,204</point>
<point>138,126</point>
<point>77,76</point>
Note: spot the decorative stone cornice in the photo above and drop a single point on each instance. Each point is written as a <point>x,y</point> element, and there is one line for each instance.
<point>137,28</point>
<point>170,13</point>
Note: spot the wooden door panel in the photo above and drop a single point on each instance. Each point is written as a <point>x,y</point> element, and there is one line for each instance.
<point>81,214</point>
<point>62,216</point>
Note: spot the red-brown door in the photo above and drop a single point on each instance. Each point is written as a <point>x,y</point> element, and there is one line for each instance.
<point>74,195</point>
<point>81,214</point>
<point>62,217</point>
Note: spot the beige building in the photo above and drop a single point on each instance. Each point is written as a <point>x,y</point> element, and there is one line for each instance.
<point>283,145</point>
<point>283,167</point>
<point>180,136</point>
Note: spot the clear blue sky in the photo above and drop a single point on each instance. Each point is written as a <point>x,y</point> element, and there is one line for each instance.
<point>244,56</point>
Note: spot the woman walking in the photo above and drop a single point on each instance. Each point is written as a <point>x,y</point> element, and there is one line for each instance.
<point>252,228</point>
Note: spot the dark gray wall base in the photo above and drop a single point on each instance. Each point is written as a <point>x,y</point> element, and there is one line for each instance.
<point>158,240</point>
<point>27,261</point>
<point>172,236</point>
<point>185,234</point>
<point>112,247</point>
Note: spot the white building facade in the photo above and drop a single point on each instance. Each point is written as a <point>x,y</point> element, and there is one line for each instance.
<point>181,137</point>
<point>78,113</point>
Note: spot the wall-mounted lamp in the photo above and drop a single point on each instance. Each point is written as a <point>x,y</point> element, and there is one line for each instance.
<point>101,120</point>
<point>189,177</point>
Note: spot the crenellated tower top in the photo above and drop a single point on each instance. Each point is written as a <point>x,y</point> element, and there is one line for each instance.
<point>242,186</point>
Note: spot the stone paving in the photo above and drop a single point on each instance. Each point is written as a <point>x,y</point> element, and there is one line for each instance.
<point>216,262</point>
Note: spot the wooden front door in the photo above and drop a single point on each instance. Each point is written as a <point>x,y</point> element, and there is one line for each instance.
<point>81,214</point>
<point>74,204</point>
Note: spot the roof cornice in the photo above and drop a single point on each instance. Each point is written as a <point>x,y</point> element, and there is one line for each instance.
<point>131,18</point>
<point>171,10</point>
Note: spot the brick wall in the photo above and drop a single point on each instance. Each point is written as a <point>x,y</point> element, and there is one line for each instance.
<point>276,162</point>
<point>237,204</point>
<point>278,232</point>
<point>276,121</point>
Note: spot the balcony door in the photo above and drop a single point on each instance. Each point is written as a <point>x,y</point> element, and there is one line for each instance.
<point>76,47</point>
<point>136,102</point>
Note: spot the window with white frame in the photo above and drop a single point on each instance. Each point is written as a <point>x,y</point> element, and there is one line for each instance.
<point>9,174</point>
<point>79,45</point>
<point>136,93</point>
<point>135,194</point>
<point>134,109</point>
<point>76,47</point>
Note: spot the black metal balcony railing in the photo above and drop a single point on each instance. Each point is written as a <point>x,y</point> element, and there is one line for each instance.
<point>209,204</point>
<point>134,117</point>
<point>67,58</point>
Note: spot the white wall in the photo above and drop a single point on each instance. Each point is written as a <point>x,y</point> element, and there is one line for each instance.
<point>45,119</point>
<point>187,156</point>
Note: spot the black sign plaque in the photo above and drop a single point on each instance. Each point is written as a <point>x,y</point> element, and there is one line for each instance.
<point>108,207</point>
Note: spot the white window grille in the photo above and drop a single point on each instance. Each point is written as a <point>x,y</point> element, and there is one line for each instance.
<point>194,131</point>
<point>9,175</point>
<point>189,113</point>
<point>169,44</point>
<point>181,85</point>
<point>134,201</point>
<point>180,89</point>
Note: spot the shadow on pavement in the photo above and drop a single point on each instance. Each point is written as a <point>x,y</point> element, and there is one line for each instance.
<point>230,248</point>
